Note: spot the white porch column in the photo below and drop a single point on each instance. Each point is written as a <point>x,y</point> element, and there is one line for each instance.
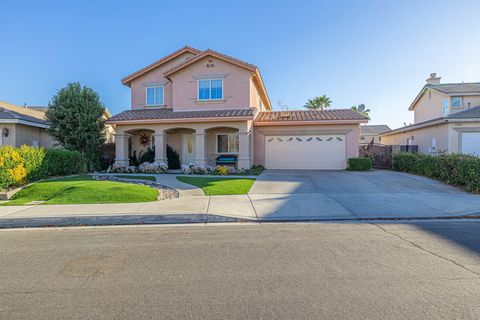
<point>160,147</point>
<point>121,150</point>
<point>244,151</point>
<point>200,155</point>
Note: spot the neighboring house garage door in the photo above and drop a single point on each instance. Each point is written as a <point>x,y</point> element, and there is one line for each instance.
<point>327,152</point>
<point>471,143</point>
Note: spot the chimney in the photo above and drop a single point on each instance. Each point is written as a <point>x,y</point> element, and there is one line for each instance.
<point>433,79</point>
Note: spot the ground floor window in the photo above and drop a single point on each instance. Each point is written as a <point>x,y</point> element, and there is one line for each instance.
<point>227,143</point>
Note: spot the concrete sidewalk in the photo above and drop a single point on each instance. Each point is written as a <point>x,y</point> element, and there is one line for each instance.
<point>275,196</point>
<point>235,208</point>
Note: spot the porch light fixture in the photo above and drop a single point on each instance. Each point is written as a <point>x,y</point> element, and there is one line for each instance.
<point>5,132</point>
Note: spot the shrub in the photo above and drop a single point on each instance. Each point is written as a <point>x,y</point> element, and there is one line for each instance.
<point>173,158</point>
<point>359,164</point>
<point>145,167</point>
<point>148,167</point>
<point>456,169</point>
<point>12,167</point>
<point>33,158</point>
<point>26,164</point>
<point>148,156</point>
<point>61,162</point>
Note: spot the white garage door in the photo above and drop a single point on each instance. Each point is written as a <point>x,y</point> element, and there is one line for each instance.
<point>471,143</point>
<point>325,152</point>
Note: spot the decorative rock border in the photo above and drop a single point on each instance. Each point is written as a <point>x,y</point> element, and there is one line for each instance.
<point>164,192</point>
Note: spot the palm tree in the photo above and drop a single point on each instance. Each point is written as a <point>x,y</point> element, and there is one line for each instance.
<point>321,103</point>
<point>363,110</point>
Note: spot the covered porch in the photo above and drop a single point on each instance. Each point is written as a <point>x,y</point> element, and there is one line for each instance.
<point>194,143</point>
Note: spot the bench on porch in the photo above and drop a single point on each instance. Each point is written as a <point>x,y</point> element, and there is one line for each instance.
<point>226,159</point>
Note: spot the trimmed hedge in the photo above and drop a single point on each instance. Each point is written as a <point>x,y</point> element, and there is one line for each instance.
<point>455,169</point>
<point>25,164</point>
<point>359,164</point>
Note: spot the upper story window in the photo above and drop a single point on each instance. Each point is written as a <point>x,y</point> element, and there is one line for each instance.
<point>210,89</point>
<point>446,106</point>
<point>456,102</point>
<point>154,96</point>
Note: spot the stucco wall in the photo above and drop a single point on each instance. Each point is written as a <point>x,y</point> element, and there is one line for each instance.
<point>367,138</point>
<point>255,100</point>
<point>236,85</point>
<point>455,134</point>
<point>28,135</point>
<point>429,106</point>
<point>352,137</point>
<point>10,139</point>
<point>46,140</point>
<point>138,85</point>
<point>473,100</point>
<point>422,138</point>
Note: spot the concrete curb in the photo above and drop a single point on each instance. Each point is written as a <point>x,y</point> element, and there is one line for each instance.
<point>169,219</point>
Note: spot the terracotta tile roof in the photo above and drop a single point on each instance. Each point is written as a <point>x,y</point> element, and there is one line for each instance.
<point>456,88</point>
<point>168,113</point>
<point>465,114</point>
<point>309,115</point>
<point>374,129</point>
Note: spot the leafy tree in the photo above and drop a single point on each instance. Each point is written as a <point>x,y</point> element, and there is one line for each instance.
<point>321,103</point>
<point>363,110</point>
<point>76,121</point>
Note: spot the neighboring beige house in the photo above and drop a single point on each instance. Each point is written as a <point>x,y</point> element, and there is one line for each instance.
<point>109,129</point>
<point>27,126</point>
<point>372,132</point>
<point>205,104</point>
<point>23,126</point>
<point>446,119</point>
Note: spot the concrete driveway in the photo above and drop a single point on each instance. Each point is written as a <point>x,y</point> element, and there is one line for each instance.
<point>296,194</point>
<point>275,196</point>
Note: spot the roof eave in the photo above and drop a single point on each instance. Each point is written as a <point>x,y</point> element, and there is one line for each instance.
<point>128,79</point>
<point>307,122</point>
<point>25,122</point>
<point>266,99</point>
<point>207,53</point>
<point>181,120</point>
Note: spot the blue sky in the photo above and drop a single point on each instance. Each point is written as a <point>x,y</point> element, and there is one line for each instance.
<point>374,52</point>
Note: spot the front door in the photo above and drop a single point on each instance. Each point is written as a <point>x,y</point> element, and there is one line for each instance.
<point>188,149</point>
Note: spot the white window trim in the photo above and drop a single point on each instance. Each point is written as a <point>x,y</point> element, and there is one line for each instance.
<point>461,103</point>
<point>445,107</point>
<point>209,79</point>
<point>223,134</point>
<point>155,104</point>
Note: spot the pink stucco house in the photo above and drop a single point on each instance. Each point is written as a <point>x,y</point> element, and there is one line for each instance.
<point>204,104</point>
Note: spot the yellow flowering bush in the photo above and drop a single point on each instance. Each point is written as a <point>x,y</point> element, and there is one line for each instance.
<point>24,164</point>
<point>12,168</point>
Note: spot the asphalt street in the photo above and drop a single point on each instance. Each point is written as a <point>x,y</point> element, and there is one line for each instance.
<point>415,270</point>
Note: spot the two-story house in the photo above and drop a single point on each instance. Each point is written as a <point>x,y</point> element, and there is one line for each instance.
<point>446,119</point>
<point>204,104</point>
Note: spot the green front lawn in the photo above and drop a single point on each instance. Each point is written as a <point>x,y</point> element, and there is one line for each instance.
<point>151,178</point>
<point>220,186</point>
<point>83,189</point>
